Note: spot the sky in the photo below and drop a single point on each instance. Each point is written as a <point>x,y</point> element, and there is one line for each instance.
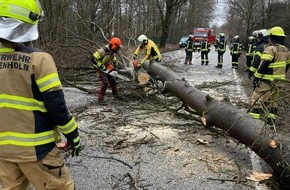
<point>220,13</point>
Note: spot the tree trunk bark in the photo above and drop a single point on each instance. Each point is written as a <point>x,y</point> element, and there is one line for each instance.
<point>222,114</point>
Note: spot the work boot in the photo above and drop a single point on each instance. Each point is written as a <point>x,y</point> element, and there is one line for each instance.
<point>218,66</point>
<point>190,63</point>
<point>206,63</point>
<point>201,63</point>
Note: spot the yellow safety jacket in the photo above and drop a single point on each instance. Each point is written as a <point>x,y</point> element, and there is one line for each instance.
<point>273,63</point>
<point>103,57</point>
<point>151,52</point>
<point>32,105</point>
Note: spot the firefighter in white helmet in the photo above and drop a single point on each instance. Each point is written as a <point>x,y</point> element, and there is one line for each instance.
<point>32,105</point>
<point>151,51</point>
<point>262,41</point>
<point>251,47</point>
<point>221,49</point>
<point>236,51</point>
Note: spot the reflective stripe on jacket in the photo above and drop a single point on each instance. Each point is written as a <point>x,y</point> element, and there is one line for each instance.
<point>31,104</point>
<point>104,57</point>
<point>236,48</point>
<point>151,51</point>
<point>273,63</point>
<point>204,46</point>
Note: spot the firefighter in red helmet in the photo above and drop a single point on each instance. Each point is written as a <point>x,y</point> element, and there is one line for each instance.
<point>104,60</point>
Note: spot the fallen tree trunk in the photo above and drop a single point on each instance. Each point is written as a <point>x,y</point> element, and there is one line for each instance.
<point>222,114</point>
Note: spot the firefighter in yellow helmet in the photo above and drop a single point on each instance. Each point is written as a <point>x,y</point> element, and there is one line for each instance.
<point>151,51</point>
<point>105,61</point>
<point>274,64</point>
<point>32,105</point>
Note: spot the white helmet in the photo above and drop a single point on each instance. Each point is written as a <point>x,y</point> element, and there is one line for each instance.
<point>263,33</point>
<point>236,36</point>
<point>142,38</point>
<point>255,33</point>
<point>251,38</point>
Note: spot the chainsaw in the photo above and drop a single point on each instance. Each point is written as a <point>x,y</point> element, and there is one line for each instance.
<point>116,74</point>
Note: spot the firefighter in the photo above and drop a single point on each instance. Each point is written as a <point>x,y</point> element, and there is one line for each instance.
<point>221,50</point>
<point>104,60</point>
<point>274,65</point>
<point>189,48</point>
<point>204,49</point>
<point>236,51</point>
<point>250,51</point>
<point>151,51</point>
<point>33,110</point>
<point>262,41</point>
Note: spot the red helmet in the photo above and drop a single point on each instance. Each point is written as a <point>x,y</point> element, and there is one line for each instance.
<point>115,43</point>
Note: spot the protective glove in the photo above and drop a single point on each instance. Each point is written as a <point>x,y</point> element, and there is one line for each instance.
<point>135,63</point>
<point>76,146</point>
<point>110,67</point>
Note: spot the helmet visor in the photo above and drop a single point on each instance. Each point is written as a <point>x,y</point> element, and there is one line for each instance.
<point>17,31</point>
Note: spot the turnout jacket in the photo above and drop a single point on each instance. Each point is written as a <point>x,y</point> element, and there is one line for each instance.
<point>32,105</point>
<point>104,58</point>
<point>257,57</point>
<point>236,48</point>
<point>274,63</point>
<point>222,46</point>
<point>151,51</point>
<point>204,46</point>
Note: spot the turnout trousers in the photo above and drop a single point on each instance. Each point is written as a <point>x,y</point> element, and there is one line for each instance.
<point>50,173</point>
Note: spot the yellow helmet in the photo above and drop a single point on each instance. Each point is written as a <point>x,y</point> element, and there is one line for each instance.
<point>277,31</point>
<point>28,11</point>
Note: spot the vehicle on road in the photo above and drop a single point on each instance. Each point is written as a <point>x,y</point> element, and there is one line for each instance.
<point>182,42</point>
<point>200,33</point>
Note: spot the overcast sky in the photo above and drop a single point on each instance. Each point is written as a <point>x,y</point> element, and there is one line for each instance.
<point>220,12</point>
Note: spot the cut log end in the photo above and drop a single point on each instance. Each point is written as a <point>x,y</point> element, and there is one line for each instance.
<point>143,78</point>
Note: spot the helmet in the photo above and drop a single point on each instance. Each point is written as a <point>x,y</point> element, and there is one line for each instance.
<point>142,38</point>
<point>236,36</point>
<point>115,43</point>
<point>222,34</point>
<point>277,31</point>
<point>263,33</point>
<point>27,11</point>
<point>18,20</point>
<point>255,33</point>
<point>251,38</point>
